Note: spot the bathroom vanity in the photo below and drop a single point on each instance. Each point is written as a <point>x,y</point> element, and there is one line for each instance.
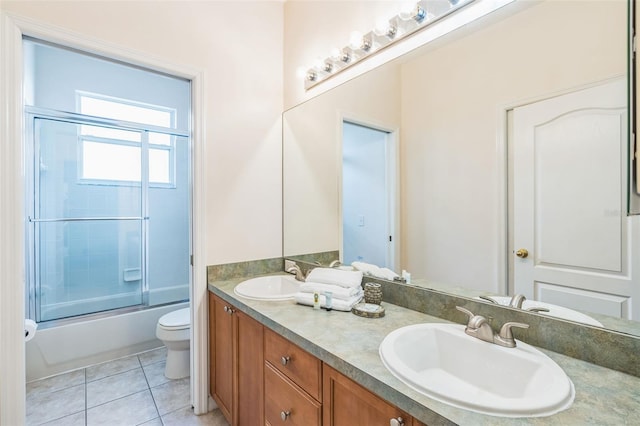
<point>259,377</point>
<point>282,363</point>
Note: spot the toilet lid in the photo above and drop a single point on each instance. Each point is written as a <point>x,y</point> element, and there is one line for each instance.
<point>179,318</point>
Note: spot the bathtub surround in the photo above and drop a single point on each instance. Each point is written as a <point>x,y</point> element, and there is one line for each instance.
<point>92,341</point>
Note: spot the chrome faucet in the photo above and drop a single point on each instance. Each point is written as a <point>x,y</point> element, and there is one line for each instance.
<point>335,264</point>
<point>516,302</point>
<point>295,269</point>
<point>479,327</point>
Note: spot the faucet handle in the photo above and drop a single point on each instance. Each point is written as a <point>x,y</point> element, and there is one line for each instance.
<point>475,321</point>
<point>489,299</point>
<point>466,311</point>
<point>517,300</point>
<point>535,309</point>
<point>505,331</point>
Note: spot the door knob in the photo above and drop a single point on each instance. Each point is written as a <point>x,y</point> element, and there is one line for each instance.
<point>522,253</point>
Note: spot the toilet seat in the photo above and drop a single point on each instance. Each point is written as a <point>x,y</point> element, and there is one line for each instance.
<point>176,320</point>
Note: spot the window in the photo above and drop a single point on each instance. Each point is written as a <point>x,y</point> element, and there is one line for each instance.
<point>113,155</point>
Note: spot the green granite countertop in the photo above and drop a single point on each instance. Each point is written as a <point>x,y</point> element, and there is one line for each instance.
<point>350,344</point>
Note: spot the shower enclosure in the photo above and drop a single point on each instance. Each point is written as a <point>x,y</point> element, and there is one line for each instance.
<point>109,225</point>
<point>108,184</point>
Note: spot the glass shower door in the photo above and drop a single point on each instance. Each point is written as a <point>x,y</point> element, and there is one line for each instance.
<point>87,222</point>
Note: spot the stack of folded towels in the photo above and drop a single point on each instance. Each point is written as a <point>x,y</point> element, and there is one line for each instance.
<point>345,287</point>
<point>375,271</point>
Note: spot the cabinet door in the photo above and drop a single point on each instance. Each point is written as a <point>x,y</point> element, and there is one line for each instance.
<point>346,403</point>
<point>286,403</point>
<point>249,371</point>
<point>221,354</point>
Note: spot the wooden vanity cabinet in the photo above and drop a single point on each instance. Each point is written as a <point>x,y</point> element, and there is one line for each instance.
<point>346,403</point>
<point>257,377</point>
<point>292,383</point>
<point>236,363</point>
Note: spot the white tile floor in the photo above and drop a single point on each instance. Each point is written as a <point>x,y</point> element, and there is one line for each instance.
<point>126,391</point>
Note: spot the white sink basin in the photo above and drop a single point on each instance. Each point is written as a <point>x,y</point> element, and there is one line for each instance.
<point>442,362</point>
<point>554,310</point>
<point>272,287</point>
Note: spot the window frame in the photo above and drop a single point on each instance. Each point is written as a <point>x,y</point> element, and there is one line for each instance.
<point>144,145</point>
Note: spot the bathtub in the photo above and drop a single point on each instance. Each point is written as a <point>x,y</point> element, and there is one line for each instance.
<point>76,345</point>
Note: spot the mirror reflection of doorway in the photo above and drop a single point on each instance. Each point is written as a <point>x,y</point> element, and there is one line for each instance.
<point>368,196</point>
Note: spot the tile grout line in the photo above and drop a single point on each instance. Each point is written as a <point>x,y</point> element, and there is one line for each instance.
<point>86,414</point>
<point>144,373</point>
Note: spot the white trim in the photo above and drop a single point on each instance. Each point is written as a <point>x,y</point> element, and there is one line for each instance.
<point>12,363</point>
<point>199,299</point>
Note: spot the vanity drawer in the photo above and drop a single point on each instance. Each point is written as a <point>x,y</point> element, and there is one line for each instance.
<point>298,365</point>
<point>286,404</point>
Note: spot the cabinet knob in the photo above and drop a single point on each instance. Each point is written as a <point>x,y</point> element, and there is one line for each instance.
<point>396,422</point>
<point>284,415</point>
<point>228,310</point>
<point>285,360</point>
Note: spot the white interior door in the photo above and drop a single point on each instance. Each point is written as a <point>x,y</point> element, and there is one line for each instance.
<point>570,188</point>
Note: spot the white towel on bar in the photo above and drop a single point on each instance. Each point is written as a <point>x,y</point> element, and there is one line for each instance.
<point>337,292</point>
<point>337,304</point>
<point>335,277</point>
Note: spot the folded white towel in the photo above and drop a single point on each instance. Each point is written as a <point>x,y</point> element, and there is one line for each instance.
<point>337,292</point>
<point>337,304</point>
<point>375,271</point>
<point>335,277</point>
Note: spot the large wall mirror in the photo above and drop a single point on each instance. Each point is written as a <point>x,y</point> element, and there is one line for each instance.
<point>497,165</point>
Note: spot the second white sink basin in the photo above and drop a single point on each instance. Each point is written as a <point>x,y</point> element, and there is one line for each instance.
<point>442,362</point>
<point>272,287</point>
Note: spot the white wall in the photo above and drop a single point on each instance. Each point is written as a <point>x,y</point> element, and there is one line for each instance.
<point>451,134</point>
<point>238,45</point>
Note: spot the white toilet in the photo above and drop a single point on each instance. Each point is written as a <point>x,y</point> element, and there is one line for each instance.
<point>173,329</point>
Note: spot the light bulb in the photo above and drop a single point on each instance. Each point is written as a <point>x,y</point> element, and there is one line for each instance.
<point>407,9</point>
<point>301,73</point>
<point>385,28</point>
<point>339,55</point>
<point>359,42</point>
<point>355,41</point>
<point>412,11</point>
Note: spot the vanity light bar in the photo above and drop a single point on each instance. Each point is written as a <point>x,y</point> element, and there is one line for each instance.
<point>411,18</point>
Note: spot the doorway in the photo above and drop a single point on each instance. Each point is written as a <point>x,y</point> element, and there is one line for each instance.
<point>108,197</point>
<point>368,195</point>
<point>572,243</point>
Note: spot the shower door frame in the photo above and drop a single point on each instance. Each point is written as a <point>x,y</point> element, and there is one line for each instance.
<point>32,199</point>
